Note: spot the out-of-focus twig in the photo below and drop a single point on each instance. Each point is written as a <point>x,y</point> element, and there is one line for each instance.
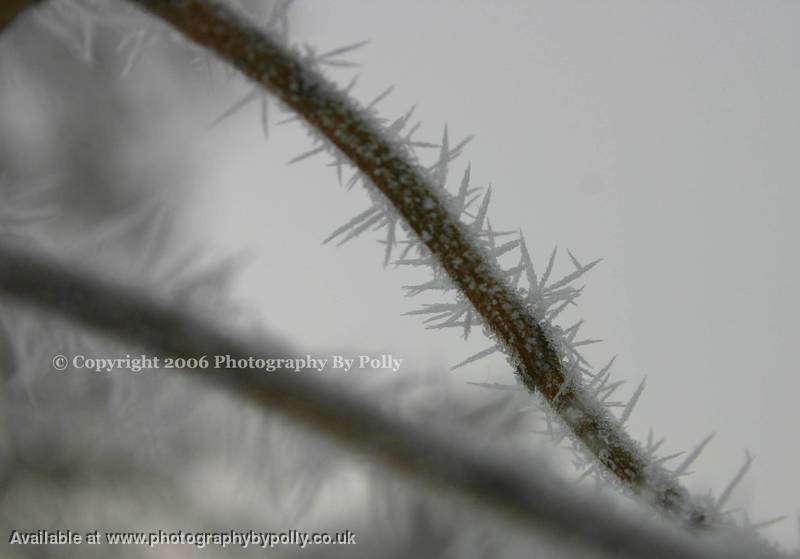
<point>10,9</point>
<point>537,502</point>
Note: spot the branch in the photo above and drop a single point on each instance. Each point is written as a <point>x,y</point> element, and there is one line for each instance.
<point>10,9</point>
<point>404,184</point>
<point>541,502</point>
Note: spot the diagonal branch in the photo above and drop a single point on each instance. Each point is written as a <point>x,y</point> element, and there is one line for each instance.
<point>404,184</point>
<point>504,487</point>
<point>10,9</point>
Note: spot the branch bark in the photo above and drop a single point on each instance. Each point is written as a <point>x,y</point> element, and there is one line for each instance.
<point>536,503</point>
<point>316,100</point>
<point>10,9</point>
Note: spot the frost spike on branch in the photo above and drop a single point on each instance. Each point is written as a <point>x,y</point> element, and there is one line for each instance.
<point>766,523</point>
<point>574,260</point>
<point>549,269</point>
<point>236,107</point>
<point>342,50</point>
<point>307,154</point>
<point>504,248</point>
<point>666,458</point>
<point>477,225</point>
<point>460,200</point>
<point>380,97</point>
<point>440,168</point>
<point>681,470</point>
<point>480,355</point>
<point>496,386</point>
<point>573,276</point>
<point>352,223</point>
<point>728,491</point>
<point>626,413</point>
<point>358,135</point>
<point>391,240</point>
<point>527,264</point>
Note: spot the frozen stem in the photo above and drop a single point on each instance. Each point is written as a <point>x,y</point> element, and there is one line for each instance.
<point>355,133</point>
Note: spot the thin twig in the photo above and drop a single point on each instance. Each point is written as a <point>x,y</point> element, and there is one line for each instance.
<point>356,135</point>
<point>10,9</point>
<point>540,502</point>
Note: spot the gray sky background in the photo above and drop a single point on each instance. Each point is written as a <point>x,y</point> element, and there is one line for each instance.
<point>660,136</point>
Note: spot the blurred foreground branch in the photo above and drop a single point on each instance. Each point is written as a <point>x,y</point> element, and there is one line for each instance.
<point>537,502</point>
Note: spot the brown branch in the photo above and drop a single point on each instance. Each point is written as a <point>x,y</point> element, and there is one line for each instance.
<point>504,487</point>
<point>10,9</point>
<point>313,97</point>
